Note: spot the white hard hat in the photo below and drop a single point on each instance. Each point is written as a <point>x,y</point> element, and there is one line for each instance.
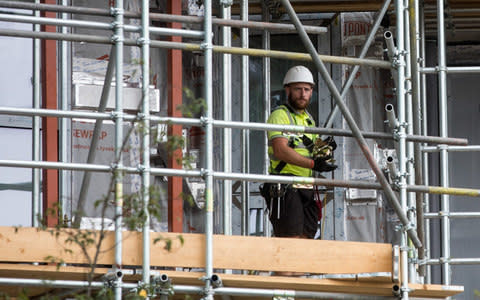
<point>298,74</point>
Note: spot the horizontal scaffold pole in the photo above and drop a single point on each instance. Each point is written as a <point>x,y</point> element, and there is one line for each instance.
<point>228,124</point>
<point>235,176</point>
<point>162,17</point>
<point>197,47</point>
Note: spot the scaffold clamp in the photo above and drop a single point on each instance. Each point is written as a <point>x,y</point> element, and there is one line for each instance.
<point>226,3</point>
<point>115,11</point>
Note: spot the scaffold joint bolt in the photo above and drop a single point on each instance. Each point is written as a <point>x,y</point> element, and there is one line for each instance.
<point>143,41</point>
<point>206,46</point>
<point>441,68</point>
<point>141,116</point>
<point>405,290</point>
<point>115,11</point>
<point>444,260</point>
<point>204,173</point>
<point>412,209</point>
<point>408,227</point>
<point>117,38</point>
<point>204,121</point>
<point>442,147</point>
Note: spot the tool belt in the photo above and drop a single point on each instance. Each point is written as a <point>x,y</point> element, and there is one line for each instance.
<point>274,192</point>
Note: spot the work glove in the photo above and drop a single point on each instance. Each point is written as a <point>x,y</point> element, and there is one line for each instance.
<point>324,148</point>
<point>330,142</point>
<point>321,164</point>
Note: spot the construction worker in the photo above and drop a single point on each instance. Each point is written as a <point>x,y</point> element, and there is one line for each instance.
<point>292,208</point>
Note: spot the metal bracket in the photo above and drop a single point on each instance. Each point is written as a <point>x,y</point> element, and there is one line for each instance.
<point>396,263</point>
<point>110,279</point>
<point>162,285</point>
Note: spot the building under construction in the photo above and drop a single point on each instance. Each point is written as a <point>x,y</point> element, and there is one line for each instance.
<point>134,144</point>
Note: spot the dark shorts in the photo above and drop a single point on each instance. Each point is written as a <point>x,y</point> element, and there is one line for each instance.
<point>298,214</point>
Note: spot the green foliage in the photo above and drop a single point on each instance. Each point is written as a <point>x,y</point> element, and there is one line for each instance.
<point>194,107</point>
<point>134,216</point>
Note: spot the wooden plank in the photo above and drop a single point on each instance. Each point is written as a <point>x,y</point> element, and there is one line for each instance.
<point>230,252</point>
<point>434,290</point>
<point>363,286</point>
<point>32,245</point>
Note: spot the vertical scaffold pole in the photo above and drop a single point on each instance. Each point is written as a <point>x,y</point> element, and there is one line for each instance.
<point>443,119</point>
<point>245,118</point>
<point>227,116</point>
<point>417,129</point>
<point>207,49</point>
<point>118,176</point>
<point>424,131</point>
<point>401,155</point>
<point>410,170</point>
<point>145,133</point>
<point>63,130</point>
<point>267,102</point>
<point>36,204</point>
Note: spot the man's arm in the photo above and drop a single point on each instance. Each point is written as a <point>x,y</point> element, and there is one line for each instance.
<point>283,152</point>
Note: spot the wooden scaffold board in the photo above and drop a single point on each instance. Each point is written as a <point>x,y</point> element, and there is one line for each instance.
<point>333,266</point>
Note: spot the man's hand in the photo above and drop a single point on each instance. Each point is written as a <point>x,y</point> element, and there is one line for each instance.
<point>320,164</point>
<point>330,141</point>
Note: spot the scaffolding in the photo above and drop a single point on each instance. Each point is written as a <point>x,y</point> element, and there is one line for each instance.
<point>407,188</point>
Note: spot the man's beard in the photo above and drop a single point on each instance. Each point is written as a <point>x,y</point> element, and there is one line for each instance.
<point>295,105</point>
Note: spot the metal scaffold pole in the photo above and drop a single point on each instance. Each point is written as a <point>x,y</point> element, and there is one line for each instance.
<point>145,133</point>
<point>227,116</point>
<point>117,173</point>
<point>424,131</point>
<point>417,124</point>
<point>207,50</point>
<point>401,146</point>
<point>443,119</point>
<point>36,203</point>
<point>409,154</point>
<point>245,196</point>
<point>64,105</point>
<point>266,82</point>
